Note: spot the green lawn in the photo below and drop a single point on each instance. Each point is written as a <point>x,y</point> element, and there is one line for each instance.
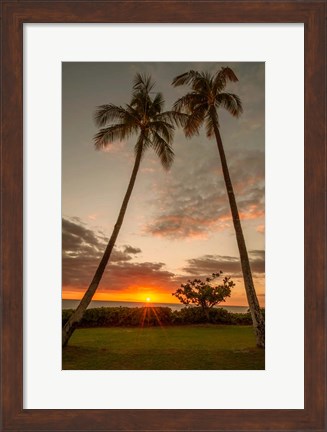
<point>182,347</point>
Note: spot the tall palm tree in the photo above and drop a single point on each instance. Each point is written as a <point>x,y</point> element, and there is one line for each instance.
<point>154,129</point>
<point>207,95</point>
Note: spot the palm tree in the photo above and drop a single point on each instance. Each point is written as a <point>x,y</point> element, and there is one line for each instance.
<point>201,104</point>
<point>154,129</point>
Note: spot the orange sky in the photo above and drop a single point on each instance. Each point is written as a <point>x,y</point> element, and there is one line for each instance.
<point>159,295</point>
<point>178,224</point>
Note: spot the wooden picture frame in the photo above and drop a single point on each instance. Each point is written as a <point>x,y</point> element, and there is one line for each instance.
<point>14,15</point>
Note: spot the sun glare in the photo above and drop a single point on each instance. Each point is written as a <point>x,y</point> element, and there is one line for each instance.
<point>148,299</point>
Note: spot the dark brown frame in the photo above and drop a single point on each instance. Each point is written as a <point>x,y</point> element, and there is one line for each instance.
<point>14,15</point>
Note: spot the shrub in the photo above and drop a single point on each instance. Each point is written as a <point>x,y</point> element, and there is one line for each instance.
<point>156,316</point>
<point>66,313</point>
<point>205,294</point>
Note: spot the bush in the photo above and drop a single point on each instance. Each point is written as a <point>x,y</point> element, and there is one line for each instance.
<point>195,315</point>
<point>66,313</point>
<point>123,317</point>
<point>156,316</point>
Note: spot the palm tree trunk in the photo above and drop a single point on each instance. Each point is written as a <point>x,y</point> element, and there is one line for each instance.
<point>77,315</point>
<point>257,317</point>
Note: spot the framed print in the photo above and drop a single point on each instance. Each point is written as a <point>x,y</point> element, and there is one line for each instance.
<point>141,295</point>
<point>151,364</point>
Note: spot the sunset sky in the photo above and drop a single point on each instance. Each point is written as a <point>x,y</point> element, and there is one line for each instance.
<point>178,224</point>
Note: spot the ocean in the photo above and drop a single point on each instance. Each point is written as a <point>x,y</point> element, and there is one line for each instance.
<point>72,304</point>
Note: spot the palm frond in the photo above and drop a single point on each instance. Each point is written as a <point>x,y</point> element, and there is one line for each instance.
<point>133,112</point>
<point>172,117</point>
<point>143,83</point>
<point>109,112</point>
<point>189,102</point>
<point>195,121</point>
<point>203,85</point>
<point>206,96</point>
<point>231,102</point>
<point>107,135</point>
<point>164,128</point>
<point>140,103</point>
<point>230,75</point>
<point>156,104</point>
<point>185,78</point>
<point>222,76</point>
<point>144,114</point>
<point>163,150</point>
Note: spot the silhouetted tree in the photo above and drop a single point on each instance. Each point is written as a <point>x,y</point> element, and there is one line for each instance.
<point>207,95</point>
<point>204,293</point>
<point>143,117</point>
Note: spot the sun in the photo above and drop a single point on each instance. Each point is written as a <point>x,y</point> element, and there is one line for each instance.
<point>148,299</point>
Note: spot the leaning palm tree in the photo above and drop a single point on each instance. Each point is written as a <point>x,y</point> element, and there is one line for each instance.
<point>207,95</point>
<point>154,129</point>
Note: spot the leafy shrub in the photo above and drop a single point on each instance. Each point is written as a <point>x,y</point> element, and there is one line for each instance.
<point>66,313</point>
<point>156,316</point>
<point>205,294</point>
<point>195,315</point>
<point>123,317</point>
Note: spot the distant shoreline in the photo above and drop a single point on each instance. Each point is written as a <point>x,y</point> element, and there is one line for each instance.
<point>72,304</point>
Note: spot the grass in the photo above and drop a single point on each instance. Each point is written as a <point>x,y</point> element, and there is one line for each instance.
<point>181,347</point>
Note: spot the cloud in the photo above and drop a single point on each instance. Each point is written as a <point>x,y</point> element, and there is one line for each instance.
<point>78,241</point>
<point>194,203</point>
<point>208,264</point>
<point>146,274</point>
<point>132,250</point>
<point>82,251</point>
<point>83,248</point>
<point>257,254</point>
<point>75,235</point>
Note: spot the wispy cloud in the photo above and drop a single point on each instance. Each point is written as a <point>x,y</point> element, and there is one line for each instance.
<point>194,203</point>
<point>209,264</point>
<point>82,250</point>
